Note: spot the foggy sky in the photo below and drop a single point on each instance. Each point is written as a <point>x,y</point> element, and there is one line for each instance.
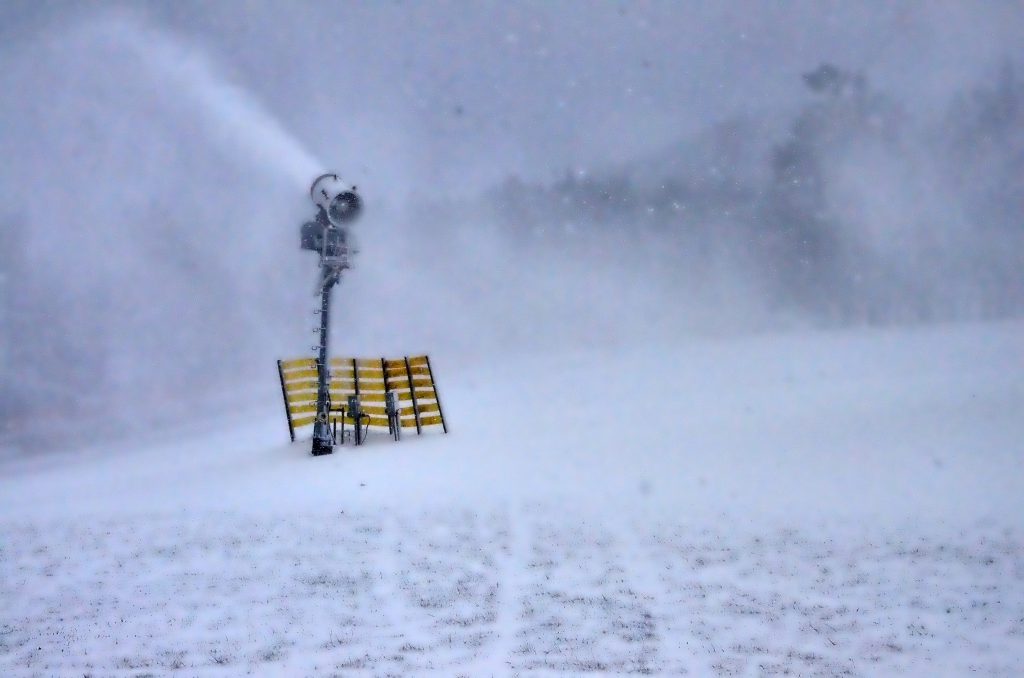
<point>452,96</point>
<point>156,160</point>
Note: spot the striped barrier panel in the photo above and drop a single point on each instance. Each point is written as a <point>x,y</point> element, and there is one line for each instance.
<point>370,379</point>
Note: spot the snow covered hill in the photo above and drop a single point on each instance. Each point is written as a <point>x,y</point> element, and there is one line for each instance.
<point>844,503</point>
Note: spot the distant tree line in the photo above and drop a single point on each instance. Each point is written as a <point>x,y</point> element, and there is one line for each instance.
<point>857,213</point>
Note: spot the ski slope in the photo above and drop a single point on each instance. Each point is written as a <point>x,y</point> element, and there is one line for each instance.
<point>831,503</point>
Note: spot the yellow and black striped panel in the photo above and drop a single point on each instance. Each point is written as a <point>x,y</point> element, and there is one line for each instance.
<point>306,415</point>
<point>301,398</point>
<point>427,408</point>
<point>342,396</point>
<point>304,385</point>
<point>289,367</point>
<point>346,385</point>
<point>300,375</point>
<point>431,420</point>
<point>402,373</point>
<point>367,388</point>
<point>402,383</point>
<point>419,389</point>
<point>371,420</point>
<point>372,378</point>
<point>302,421</point>
<point>373,409</point>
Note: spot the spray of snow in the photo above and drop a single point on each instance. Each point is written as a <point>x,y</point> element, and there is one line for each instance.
<point>231,113</point>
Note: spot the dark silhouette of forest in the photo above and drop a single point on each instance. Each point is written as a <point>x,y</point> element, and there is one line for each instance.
<point>858,213</point>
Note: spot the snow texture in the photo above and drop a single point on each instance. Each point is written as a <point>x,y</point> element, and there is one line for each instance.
<point>839,504</point>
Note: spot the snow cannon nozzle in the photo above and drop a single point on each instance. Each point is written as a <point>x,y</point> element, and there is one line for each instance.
<point>336,198</point>
<point>338,205</point>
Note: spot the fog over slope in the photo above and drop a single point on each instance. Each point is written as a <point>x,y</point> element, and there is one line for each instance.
<point>139,277</point>
<point>528,187</point>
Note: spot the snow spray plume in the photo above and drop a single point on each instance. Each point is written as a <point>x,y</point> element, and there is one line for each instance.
<point>234,113</point>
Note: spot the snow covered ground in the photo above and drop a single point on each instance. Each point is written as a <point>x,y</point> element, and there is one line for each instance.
<point>839,503</point>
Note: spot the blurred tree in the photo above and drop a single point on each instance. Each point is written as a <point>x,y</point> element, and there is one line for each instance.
<point>983,135</point>
<point>809,257</point>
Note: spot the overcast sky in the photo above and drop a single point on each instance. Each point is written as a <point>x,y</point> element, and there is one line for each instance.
<point>156,158</point>
<point>458,94</point>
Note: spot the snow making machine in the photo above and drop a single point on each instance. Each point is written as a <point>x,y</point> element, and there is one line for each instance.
<point>359,394</point>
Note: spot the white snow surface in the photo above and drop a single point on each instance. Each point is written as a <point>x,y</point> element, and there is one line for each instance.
<point>833,503</point>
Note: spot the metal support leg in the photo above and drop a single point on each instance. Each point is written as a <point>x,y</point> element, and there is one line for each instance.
<point>323,439</point>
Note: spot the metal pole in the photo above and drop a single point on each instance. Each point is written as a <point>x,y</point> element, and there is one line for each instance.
<point>337,205</point>
<point>287,409</point>
<point>437,397</point>
<point>323,440</point>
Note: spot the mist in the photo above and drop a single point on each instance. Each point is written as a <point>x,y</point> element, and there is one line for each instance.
<point>723,301</point>
<point>538,178</point>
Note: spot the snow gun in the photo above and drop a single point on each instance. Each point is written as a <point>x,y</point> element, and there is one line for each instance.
<point>338,206</point>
